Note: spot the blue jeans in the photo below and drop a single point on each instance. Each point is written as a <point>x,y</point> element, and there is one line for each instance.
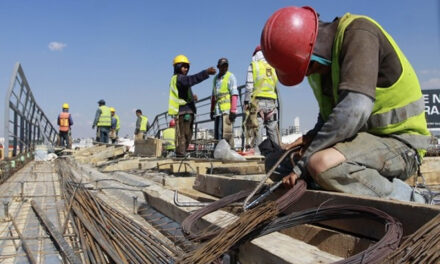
<point>103,134</point>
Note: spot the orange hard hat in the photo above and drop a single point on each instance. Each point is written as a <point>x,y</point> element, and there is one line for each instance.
<point>287,41</point>
<point>172,123</point>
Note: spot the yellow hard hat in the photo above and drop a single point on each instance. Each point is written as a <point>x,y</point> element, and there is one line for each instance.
<point>180,59</point>
<point>65,106</point>
<point>112,109</point>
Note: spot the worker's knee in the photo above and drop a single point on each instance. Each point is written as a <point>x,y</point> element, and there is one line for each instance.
<point>324,160</point>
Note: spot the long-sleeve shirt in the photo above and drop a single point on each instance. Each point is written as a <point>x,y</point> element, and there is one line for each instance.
<point>367,61</point>
<point>97,115</point>
<point>250,77</point>
<point>114,123</point>
<point>184,83</point>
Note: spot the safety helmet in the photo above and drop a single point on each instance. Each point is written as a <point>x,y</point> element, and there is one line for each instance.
<point>257,49</point>
<point>101,102</point>
<point>180,59</point>
<point>172,123</point>
<point>112,109</point>
<point>287,41</point>
<point>65,106</point>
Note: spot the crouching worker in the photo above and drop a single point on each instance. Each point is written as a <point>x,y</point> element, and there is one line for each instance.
<point>371,132</point>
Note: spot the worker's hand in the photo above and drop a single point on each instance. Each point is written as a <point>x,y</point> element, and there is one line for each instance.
<point>297,142</point>
<point>212,115</point>
<point>232,116</point>
<point>211,70</point>
<point>93,126</point>
<point>290,180</point>
<point>195,98</point>
<point>246,106</point>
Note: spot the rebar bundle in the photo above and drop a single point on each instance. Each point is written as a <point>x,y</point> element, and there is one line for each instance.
<point>106,235</point>
<point>423,246</point>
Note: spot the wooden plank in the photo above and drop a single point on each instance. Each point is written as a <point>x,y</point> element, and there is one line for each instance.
<point>110,152</point>
<point>411,215</point>
<point>90,150</point>
<point>331,241</point>
<point>130,164</point>
<point>239,169</point>
<point>150,147</point>
<point>272,248</point>
<point>430,170</point>
<point>221,186</point>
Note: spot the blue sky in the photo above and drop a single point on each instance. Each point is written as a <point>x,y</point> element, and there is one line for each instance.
<point>122,51</point>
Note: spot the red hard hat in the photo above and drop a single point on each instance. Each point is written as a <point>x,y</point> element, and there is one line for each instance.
<point>172,123</point>
<point>287,41</point>
<point>257,49</point>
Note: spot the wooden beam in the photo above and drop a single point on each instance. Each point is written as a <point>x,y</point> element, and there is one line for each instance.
<point>272,248</point>
<point>221,186</point>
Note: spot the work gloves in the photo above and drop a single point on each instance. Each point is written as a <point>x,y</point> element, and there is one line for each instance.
<point>232,116</point>
<point>212,115</point>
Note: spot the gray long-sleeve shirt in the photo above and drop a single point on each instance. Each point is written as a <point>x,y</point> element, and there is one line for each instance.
<point>347,119</point>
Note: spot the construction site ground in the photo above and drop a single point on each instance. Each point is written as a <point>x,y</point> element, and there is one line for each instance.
<point>141,191</point>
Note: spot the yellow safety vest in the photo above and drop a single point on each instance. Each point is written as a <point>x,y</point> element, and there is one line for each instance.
<point>118,124</point>
<point>265,80</point>
<point>398,109</point>
<point>105,119</point>
<point>223,96</point>
<point>144,122</point>
<point>169,135</point>
<point>174,101</point>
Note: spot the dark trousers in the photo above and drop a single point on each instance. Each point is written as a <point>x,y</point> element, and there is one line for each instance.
<point>103,134</point>
<point>184,132</point>
<point>64,139</point>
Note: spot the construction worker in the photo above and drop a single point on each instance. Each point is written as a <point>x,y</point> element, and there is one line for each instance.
<point>181,103</point>
<point>141,125</point>
<point>103,121</point>
<point>114,130</point>
<point>224,102</point>
<point>169,137</point>
<point>260,101</point>
<point>65,122</point>
<point>371,132</point>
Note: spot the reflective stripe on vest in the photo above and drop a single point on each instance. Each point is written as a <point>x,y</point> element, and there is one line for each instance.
<point>398,109</point>
<point>105,119</point>
<point>169,135</point>
<point>222,95</point>
<point>64,122</point>
<point>118,124</point>
<point>174,101</point>
<point>143,125</point>
<point>265,80</point>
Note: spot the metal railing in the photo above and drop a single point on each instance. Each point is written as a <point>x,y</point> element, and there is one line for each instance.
<point>25,122</point>
<point>202,118</point>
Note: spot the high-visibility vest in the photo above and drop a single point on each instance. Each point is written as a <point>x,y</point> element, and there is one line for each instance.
<point>174,101</point>
<point>265,80</point>
<point>105,119</point>
<point>223,95</point>
<point>118,124</point>
<point>144,122</point>
<point>169,135</point>
<point>64,121</point>
<point>398,109</point>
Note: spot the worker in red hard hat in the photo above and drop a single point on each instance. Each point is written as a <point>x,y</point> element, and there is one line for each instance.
<point>181,103</point>
<point>169,138</point>
<point>371,133</point>
<point>261,102</point>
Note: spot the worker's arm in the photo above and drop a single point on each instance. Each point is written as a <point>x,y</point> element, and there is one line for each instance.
<point>58,120</point>
<point>138,125</point>
<point>249,85</point>
<point>234,93</point>
<point>98,113</point>
<point>113,126</point>
<point>70,120</point>
<point>347,118</point>
<point>190,80</point>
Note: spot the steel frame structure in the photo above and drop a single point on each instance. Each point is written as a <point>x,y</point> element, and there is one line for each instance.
<point>25,122</point>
